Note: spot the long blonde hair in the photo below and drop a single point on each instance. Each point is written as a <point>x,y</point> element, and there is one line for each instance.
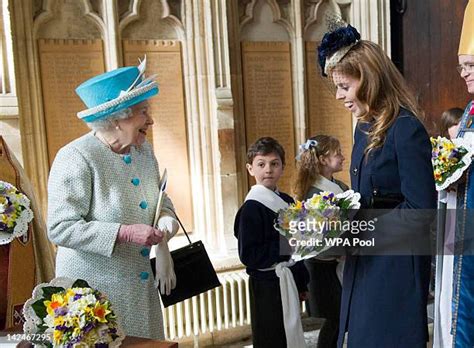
<point>308,165</point>
<point>381,87</point>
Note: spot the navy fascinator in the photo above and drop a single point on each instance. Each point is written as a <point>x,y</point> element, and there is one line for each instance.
<point>333,41</point>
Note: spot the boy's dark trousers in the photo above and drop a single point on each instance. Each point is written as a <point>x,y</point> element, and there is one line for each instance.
<point>266,314</point>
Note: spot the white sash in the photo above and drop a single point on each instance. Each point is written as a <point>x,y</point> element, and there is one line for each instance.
<point>267,197</point>
<point>325,184</point>
<point>289,293</point>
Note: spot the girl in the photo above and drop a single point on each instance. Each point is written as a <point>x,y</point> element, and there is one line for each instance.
<point>319,159</point>
<point>450,122</point>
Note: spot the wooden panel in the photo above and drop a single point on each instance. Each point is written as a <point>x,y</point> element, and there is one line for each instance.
<point>430,39</point>
<point>17,264</point>
<point>326,115</point>
<point>65,64</point>
<point>268,100</point>
<point>168,135</point>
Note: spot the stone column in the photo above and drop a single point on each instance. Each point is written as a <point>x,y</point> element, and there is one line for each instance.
<point>32,128</point>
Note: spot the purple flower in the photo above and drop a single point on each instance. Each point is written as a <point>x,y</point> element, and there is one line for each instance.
<point>327,213</point>
<point>77,297</point>
<point>9,209</point>
<point>88,327</point>
<point>60,311</point>
<point>61,327</point>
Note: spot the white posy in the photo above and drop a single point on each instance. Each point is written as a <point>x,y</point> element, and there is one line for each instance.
<point>22,220</point>
<point>466,159</point>
<point>165,278</point>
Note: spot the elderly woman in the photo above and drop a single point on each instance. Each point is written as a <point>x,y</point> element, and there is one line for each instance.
<point>103,191</point>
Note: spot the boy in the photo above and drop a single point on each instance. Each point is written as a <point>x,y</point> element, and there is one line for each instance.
<point>259,250</point>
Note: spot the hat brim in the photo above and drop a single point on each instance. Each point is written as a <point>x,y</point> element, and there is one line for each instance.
<point>103,111</point>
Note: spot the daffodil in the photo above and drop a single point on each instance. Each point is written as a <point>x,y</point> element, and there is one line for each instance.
<point>101,311</point>
<point>57,301</point>
<point>57,337</point>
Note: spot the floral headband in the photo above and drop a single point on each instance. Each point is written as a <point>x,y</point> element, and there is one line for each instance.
<point>310,143</point>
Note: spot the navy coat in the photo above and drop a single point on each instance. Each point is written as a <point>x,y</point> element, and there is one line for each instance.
<point>384,298</point>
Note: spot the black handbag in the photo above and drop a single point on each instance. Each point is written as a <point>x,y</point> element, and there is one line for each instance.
<point>194,272</point>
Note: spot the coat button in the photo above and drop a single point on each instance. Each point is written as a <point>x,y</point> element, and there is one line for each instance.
<point>143,204</point>
<point>145,252</point>
<point>135,181</point>
<point>354,171</point>
<point>144,275</point>
<point>127,159</point>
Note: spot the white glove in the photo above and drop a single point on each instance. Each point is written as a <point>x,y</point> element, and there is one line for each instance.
<point>168,224</point>
<point>165,277</point>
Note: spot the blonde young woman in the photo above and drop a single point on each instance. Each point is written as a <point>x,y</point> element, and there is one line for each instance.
<point>319,159</point>
<point>384,297</point>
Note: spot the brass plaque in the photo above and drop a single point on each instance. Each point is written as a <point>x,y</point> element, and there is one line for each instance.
<point>326,115</point>
<point>168,135</point>
<point>268,100</point>
<point>64,65</point>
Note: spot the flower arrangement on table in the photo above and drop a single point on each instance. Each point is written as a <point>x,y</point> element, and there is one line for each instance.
<point>15,213</point>
<point>311,225</point>
<point>67,313</point>
<point>450,158</point>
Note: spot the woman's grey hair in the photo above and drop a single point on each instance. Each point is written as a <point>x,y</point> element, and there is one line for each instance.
<point>109,122</point>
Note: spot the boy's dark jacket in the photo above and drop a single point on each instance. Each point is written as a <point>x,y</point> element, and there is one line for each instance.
<point>260,244</point>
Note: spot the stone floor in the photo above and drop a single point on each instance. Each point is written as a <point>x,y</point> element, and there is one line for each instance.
<point>311,331</point>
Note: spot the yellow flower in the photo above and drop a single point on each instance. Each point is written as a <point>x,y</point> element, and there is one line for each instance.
<point>100,312</point>
<point>69,294</point>
<point>59,320</point>
<point>57,336</point>
<point>76,332</point>
<point>56,301</point>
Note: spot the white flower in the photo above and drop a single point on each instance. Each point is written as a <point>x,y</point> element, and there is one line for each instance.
<point>353,197</point>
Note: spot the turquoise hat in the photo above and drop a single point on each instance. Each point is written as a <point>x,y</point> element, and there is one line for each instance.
<point>114,91</point>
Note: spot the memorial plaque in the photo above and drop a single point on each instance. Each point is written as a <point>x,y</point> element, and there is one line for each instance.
<point>268,100</point>
<point>64,65</point>
<point>168,135</point>
<point>326,115</point>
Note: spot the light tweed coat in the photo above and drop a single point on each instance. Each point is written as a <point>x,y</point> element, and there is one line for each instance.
<point>90,195</point>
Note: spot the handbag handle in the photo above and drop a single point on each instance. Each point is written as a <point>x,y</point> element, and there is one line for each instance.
<point>181,224</point>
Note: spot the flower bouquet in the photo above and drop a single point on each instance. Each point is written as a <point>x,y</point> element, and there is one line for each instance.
<point>450,159</point>
<point>15,213</point>
<point>67,313</point>
<point>312,226</point>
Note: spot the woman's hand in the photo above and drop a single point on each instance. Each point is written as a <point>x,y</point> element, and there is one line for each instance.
<point>140,234</point>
